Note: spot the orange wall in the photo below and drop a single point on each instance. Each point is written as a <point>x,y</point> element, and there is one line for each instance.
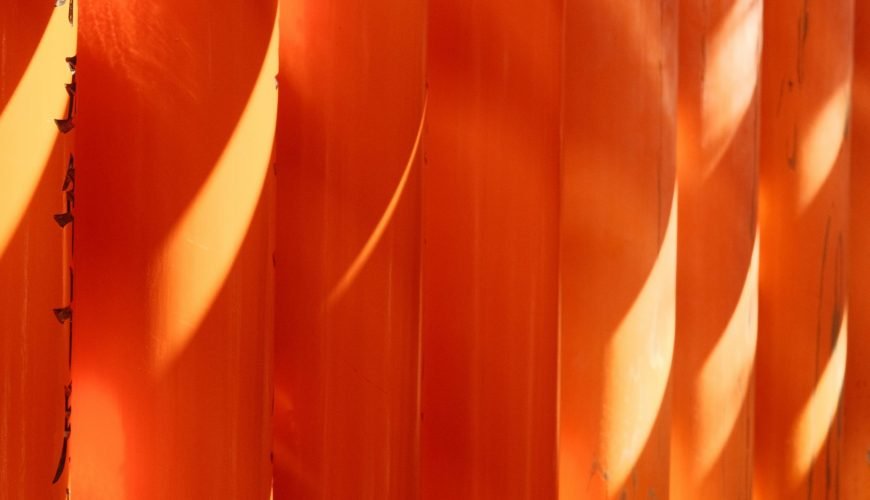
<point>490,255</point>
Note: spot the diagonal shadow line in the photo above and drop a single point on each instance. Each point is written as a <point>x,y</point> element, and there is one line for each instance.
<point>235,332</point>
<point>195,260</point>
<point>23,24</point>
<point>358,263</point>
<point>27,131</point>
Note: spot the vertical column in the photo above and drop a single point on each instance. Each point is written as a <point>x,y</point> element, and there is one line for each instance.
<point>855,478</point>
<point>618,248</point>
<point>352,112</point>
<point>172,363</point>
<point>717,270</point>
<point>490,254</point>
<point>34,249</point>
<point>807,72</point>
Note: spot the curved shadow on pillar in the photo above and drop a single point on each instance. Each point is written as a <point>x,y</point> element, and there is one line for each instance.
<point>163,87</point>
<point>803,279</point>
<point>346,413</point>
<point>717,271</point>
<point>618,249</point>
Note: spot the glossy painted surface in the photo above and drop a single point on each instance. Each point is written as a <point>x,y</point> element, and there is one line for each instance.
<point>855,479</point>
<point>172,360</point>
<point>352,111</point>
<point>490,250</point>
<point>717,267</point>
<point>618,251</point>
<point>36,37</point>
<point>802,339</point>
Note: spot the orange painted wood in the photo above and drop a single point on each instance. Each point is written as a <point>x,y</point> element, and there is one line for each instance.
<point>172,353</point>
<point>855,479</point>
<point>618,248</point>
<point>36,37</point>
<point>802,337</point>
<point>490,212</point>
<point>717,267</point>
<point>348,256</point>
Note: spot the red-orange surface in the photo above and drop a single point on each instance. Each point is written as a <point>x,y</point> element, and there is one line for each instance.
<point>172,352</point>
<point>618,251</point>
<point>802,338</point>
<point>348,256</point>
<point>36,37</point>
<point>717,268</point>
<point>490,254</point>
<point>855,478</point>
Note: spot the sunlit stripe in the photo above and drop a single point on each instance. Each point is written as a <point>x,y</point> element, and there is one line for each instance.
<point>27,129</point>
<point>378,232</point>
<point>201,249</point>
<point>821,144</point>
<point>731,78</point>
<point>638,364</point>
<point>817,416</point>
<point>99,419</point>
<point>723,384</point>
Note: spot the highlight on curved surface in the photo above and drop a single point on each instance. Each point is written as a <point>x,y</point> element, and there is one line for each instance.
<point>371,243</point>
<point>816,419</point>
<point>726,374</point>
<point>200,249</point>
<point>639,354</point>
<point>27,129</point>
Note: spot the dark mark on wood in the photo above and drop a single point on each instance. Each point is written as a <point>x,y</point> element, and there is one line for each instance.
<point>67,430</point>
<point>839,292</point>
<point>792,155</point>
<point>63,219</point>
<point>63,314</point>
<point>821,295</point>
<point>64,125</point>
<point>803,31</point>
<point>70,174</point>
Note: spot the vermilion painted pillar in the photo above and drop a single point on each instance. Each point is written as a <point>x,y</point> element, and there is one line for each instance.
<point>172,352</point>
<point>802,339</point>
<point>855,479</point>
<point>34,261</point>
<point>490,250</point>
<point>717,267</point>
<point>352,112</point>
<point>618,248</point>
